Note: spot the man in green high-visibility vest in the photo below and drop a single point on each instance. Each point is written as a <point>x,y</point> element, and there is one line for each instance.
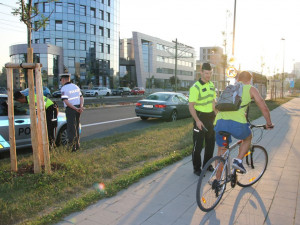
<point>202,108</point>
<point>51,114</point>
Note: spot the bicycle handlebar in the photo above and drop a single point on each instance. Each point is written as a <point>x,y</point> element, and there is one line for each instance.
<point>258,126</point>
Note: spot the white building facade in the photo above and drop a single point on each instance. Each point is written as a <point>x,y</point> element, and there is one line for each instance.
<point>155,62</point>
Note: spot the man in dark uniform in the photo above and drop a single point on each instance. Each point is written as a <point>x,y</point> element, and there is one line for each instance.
<point>73,102</point>
<point>202,108</point>
<point>51,114</point>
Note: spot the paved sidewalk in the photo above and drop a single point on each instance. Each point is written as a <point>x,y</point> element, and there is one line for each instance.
<point>168,196</point>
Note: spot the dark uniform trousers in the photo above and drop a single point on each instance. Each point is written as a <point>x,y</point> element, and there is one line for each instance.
<point>73,120</point>
<point>200,137</point>
<point>51,116</point>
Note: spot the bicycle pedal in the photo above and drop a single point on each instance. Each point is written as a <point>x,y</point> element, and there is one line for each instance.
<point>239,171</point>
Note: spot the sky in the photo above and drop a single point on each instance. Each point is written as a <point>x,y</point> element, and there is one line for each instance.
<point>260,27</point>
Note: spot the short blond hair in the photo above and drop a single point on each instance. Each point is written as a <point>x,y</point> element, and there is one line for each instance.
<point>245,76</point>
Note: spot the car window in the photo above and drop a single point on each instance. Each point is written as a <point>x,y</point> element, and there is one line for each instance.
<point>21,108</point>
<point>3,107</point>
<point>175,99</point>
<point>182,98</point>
<point>160,97</point>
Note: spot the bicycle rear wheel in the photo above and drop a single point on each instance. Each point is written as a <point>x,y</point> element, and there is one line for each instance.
<point>255,162</point>
<point>211,185</point>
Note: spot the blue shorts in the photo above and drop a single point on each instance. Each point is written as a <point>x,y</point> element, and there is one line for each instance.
<point>238,130</point>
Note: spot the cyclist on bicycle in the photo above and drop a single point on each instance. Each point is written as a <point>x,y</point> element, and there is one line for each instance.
<point>235,122</point>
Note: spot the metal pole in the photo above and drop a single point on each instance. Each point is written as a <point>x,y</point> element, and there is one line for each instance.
<point>233,33</point>
<point>282,78</point>
<point>176,65</point>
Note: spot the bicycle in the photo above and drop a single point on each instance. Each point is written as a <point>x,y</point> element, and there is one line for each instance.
<point>211,185</point>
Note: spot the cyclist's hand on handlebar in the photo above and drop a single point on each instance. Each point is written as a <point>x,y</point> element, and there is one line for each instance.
<point>269,126</point>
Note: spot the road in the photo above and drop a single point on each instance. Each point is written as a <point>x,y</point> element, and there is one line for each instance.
<point>105,121</point>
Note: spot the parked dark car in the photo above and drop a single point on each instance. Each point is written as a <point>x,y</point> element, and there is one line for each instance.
<point>46,92</point>
<point>138,91</point>
<point>122,91</point>
<point>56,94</point>
<point>165,105</point>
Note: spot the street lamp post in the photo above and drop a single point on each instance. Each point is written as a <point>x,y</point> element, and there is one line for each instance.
<point>233,32</point>
<point>282,78</point>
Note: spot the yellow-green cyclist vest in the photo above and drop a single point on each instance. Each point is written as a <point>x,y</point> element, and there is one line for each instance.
<point>47,101</point>
<point>206,96</point>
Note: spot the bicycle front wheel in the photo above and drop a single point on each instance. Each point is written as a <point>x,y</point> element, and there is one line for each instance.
<point>211,185</point>
<point>255,162</point>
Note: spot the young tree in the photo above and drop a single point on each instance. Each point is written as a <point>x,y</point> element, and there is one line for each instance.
<point>27,12</point>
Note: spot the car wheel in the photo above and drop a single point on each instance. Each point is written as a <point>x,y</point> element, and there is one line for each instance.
<point>144,117</point>
<point>48,95</point>
<point>173,116</point>
<point>107,94</point>
<point>96,94</point>
<point>62,137</point>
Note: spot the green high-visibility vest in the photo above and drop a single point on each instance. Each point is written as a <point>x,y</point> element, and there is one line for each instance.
<point>47,101</point>
<point>203,96</point>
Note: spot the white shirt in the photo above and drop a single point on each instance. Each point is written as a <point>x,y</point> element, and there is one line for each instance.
<point>72,93</point>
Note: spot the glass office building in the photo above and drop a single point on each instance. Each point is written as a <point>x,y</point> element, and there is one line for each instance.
<point>88,32</point>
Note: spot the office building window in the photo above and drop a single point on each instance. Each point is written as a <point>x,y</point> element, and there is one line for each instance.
<point>108,49</point>
<point>37,41</point>
<point>82,45</point>
<point>93,29</point>
<point>102,1</point>
<point>46,7</point>
<point>71,44</point>
<point>101,45</point>
<point>108,32</point>
<point>101,29</point>
<point>59,42</point>
<point>58,25</point>
<point>71,61</point>
<point>93,44</point>
<point>58,7</point>
<point>71,26</point>
<point>101,14</point>
<point>82,10</point>
<point>82,63</point>
<point>108,16</point>
<point>47,40</point>
<point>82,28</point>
<point>71,8</point>
<point>108,2</point>
<point>93,12</point>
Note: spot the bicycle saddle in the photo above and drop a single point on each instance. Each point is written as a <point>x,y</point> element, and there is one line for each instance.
<point>224,133</point>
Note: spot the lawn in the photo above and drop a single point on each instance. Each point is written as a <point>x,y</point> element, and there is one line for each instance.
<point>100,169</point>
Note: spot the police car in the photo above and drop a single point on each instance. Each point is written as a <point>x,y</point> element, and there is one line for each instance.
<point>22,125</point>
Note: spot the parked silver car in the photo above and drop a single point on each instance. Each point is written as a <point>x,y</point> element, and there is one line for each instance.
<point>22,125</point>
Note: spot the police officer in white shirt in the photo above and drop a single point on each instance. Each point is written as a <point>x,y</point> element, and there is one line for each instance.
<point>73,103</point>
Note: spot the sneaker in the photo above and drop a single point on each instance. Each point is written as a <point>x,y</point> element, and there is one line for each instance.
<point>238,166</point>
<point>197,172</point>
<point>210,168</point>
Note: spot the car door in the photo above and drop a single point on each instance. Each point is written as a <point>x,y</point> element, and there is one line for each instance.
<point>183,105</point>
<point>22,125</point>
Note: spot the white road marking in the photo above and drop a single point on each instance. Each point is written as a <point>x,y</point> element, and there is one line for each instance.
<point>112,121</point>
